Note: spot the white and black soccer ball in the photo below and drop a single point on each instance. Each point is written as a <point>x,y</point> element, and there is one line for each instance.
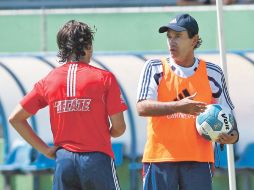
<point>214,121</point>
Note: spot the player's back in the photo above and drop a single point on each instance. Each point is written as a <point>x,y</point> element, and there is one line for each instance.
<point>76,95</point>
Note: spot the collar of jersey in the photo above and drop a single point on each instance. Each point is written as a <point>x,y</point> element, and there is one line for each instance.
<point>183,71</point>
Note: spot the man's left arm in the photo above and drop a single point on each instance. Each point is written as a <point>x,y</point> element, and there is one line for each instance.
<point>225,100</point>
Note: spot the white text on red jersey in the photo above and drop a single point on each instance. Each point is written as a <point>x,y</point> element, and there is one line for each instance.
<point>72,105</point>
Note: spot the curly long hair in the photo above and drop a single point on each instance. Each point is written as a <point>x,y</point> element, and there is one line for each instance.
<point>199,42</point>
<point>72,39</point>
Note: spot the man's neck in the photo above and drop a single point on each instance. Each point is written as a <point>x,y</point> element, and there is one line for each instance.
<point>81,59</point>
<point>184,62</point>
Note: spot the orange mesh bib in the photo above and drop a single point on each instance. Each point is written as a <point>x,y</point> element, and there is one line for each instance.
<point>174,137</point>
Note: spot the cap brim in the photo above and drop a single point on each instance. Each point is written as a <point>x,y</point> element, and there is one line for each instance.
<point>172,27</point>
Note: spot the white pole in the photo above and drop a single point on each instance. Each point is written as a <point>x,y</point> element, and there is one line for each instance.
<point>43,31</point>
<point>230,150</point>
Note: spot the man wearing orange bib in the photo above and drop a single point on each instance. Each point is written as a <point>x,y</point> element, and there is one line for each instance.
<point>171,93</point>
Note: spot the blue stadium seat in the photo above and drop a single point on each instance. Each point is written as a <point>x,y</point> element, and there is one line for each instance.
<point>246,160</point>
<point>118,152</point>
<point>220,156</point>
<point>245,165</point>
<point>16,159</point>
<point>41,165</point>
<point>19,157</point>
<point>21,161</point>
<point>135,166</point>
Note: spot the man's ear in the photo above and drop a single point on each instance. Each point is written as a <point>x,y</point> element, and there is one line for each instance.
<point>195,40</point>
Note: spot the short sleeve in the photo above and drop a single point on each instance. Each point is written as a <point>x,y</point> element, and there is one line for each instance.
<point>149,80</point>
<point>114,99</point>
<point>35,99</point>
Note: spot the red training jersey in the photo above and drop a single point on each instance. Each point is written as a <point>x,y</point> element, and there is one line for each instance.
<point>80,99</point>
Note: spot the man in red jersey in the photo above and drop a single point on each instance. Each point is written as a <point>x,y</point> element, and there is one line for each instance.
<point>81,98</point>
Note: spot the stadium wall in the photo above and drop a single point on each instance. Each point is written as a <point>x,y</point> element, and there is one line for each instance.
<point>123,29</point>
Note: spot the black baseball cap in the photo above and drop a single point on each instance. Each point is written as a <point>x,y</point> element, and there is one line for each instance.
<point>181,22</point>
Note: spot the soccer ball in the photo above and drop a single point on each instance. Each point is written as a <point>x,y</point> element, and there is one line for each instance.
<point>214,121</point>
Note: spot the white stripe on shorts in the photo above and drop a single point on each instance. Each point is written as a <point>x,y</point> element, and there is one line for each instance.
<point>114,175</point>
<point>210,169</point>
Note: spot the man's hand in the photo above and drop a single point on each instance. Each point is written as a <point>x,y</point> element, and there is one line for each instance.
<point>51,152</point>
<point>190,106</point>
<point>157,108</point>
<point>230,138</point>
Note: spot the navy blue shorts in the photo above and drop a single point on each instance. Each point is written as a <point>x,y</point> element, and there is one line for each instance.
<point>177,175</point>
<point>84,171</point>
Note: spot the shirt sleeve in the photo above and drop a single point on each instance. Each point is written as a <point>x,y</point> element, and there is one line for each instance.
<point>35,99</point>
<point>114,99</point>
<point>219,87</point>
<point>149,80</point>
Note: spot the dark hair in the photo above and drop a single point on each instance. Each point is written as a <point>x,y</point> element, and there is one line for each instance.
<point>191,35</point>
<point>73,38</point>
